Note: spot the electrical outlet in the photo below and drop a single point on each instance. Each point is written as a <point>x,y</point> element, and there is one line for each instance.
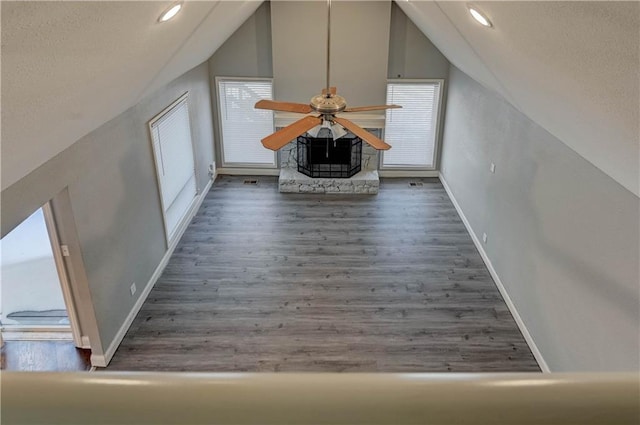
<point>484,237</point>
<point>493,168</point>
<point>133,289</point>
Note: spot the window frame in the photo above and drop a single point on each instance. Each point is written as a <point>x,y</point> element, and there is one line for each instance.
<point>170,237</point>
<point>438,122</point>
<point>220,132</point>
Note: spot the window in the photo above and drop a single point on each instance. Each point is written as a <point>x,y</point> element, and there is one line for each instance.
<point>175,165</point>
<point>412,130</point>
<point>242,125</point>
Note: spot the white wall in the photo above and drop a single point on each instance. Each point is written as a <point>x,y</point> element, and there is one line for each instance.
<point>29,278</point>
<point>562,235</point>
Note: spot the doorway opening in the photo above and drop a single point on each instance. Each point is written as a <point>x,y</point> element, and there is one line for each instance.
<point>35,295</point>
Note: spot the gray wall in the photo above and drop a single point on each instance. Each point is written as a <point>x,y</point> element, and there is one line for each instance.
<point>562,235</point>
<point>111,180</point>
<point>359,49</point>
<point>247,53</point>
<point>413,56</point>
<point>411,53</point>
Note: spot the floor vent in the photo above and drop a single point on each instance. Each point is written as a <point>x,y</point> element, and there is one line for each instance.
<point>414,184</point>
<point>251,182</point>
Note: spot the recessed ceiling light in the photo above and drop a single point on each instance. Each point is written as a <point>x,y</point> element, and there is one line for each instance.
<point>170,13</point>
<point>479,16</point>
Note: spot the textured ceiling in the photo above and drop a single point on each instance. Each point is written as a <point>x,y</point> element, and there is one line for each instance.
<point>572,67</point>
<point>69,67</point>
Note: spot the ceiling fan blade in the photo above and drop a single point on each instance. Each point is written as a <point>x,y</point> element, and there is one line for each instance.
<point>287,134</point>
<point>363,134</point>
<point>283,106</point>
<point>371,108</point>
<point>332,90</point>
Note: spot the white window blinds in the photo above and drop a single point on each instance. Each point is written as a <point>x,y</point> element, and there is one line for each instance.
<point>242,125</point>
<point>411,131</point>
<point>173,150</point>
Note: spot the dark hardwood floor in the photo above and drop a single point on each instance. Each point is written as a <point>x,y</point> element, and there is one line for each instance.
<point>44,356</point>
<point>263,281</point>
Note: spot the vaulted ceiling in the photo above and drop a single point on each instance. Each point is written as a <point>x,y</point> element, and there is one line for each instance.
<point>571,67</point>
<point>69,67</point>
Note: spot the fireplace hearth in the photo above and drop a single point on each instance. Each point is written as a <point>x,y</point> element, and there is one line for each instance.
<point>324,157</point>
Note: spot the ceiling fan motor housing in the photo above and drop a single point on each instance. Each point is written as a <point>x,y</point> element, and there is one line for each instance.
<point>328,104</point>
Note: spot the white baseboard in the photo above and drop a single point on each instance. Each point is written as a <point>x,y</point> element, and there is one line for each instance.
<point>503,291</point>
<point>248,171</point>
<point>9,335</point>
<point>44,333</point>
<point>86,344</point>
<point>408,173</point>
<point>103,360</point>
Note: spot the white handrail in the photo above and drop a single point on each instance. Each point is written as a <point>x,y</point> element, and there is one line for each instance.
<point>213,398</point>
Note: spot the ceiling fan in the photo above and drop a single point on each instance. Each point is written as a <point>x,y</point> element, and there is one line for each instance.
<point>327,104</point>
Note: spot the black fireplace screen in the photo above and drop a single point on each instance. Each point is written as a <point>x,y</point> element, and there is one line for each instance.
<point>325,157</point>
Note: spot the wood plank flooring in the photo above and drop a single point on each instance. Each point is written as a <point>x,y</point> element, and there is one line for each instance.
<point>44,356</point>
<point>263,281</point>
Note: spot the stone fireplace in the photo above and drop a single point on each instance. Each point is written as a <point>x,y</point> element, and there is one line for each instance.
<point>323,165</point>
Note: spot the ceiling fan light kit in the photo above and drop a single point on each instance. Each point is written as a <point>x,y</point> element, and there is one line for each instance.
<point>336,130</point>
<point>327,104</point>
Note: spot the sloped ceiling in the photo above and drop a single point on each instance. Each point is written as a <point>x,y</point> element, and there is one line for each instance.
<point>571,67</point>
<point>69,67</point>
